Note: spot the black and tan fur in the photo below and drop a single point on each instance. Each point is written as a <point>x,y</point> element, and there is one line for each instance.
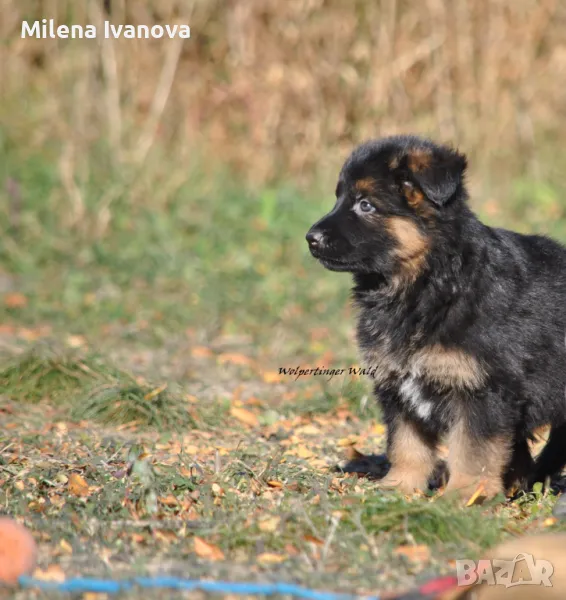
<point>464,323</point>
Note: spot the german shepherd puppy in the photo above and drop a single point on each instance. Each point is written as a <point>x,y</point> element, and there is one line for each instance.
<point>463,324</point>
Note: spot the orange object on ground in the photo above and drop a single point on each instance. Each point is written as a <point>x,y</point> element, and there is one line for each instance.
<point>18,551</point>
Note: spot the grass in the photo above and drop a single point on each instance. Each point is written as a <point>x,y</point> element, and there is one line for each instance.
<point>146,425</point>
<point>91,390</point>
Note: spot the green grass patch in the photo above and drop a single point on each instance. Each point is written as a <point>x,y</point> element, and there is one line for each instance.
<point>131,403</point>
<point>46,374</point>
<point>91,389</point>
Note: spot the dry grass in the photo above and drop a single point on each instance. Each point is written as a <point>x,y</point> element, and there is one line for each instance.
<point>282,89</point>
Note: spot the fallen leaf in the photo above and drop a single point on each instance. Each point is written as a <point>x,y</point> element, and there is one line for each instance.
<point>303,452</point>
<point>52,573</point>
<point>415,553</point>
<point>201,352</point>
<point>207,550</point>
<point>235,359</point>
<point>308,430</point>
<point>313,540</point>
<point>253,401</point>
<point>378,429</point>
<point>30,334</point>
<point>270,558</point>
<point>65,547</point>
<point>216,490</point>
<point>269,525</point>
<point>169,500</point>
<point>245,416</point>
<point>477,496</point>
<point>155,392</point>
<point>165,535</point>
<point>77,485</point>
<point>348,441</point>
<point>15,300</point>
<point>274,483</point>
<point>272,377</point>
<point>76,341</point>
<point>548,522</point>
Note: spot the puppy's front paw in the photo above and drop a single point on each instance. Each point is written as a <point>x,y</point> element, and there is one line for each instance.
<point>407,482</point>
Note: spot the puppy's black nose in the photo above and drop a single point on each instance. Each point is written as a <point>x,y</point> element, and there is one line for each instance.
<point>315,238</point>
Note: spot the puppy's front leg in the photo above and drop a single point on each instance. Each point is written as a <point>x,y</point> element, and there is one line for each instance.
<point>475,459</point>
<point>412,455</point>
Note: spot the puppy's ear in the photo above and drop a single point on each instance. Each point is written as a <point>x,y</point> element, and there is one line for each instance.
<point>437,171</point>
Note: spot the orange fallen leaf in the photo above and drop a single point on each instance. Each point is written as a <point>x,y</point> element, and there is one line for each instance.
<point>272,377</point>
<point>477,496</point>
<point>348,441</point>
<point>30,334</point>
<point>549,521</point>
<point>65,547</point>
<point>313,540</point>
<point>165,535</point>
<point>253,401</point>
<point>51,573</point>
<point>207,550</point>
<point>201,352</point>
<point>415,553</point>
<point>245,416</point>
<point>15,300</point>
<point>378,429</point>
<point>235,359</point>
<point>270,558</point>
<point>308,430</point>
<point>169,500</point>
<point>77,485</point>
<point>274,483</point>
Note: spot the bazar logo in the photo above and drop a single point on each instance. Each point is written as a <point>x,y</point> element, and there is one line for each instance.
<point>522,570</point>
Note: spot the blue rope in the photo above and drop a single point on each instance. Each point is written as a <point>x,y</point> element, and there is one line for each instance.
<point>109,586</point>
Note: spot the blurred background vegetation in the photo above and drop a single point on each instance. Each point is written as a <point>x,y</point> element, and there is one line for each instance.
<point>165,186</point>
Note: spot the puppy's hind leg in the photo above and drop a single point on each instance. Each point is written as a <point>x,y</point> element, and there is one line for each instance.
<point>553,456</point>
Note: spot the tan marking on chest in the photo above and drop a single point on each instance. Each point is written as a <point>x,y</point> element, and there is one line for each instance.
<point>448,367</point>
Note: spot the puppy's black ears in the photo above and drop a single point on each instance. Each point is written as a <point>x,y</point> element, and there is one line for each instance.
<point>438,171</point>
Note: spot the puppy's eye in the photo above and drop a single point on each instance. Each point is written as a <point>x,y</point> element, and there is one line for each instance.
<point>366,207</point>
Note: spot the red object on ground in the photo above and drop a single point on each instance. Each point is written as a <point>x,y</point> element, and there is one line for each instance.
<point>18,551</point>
